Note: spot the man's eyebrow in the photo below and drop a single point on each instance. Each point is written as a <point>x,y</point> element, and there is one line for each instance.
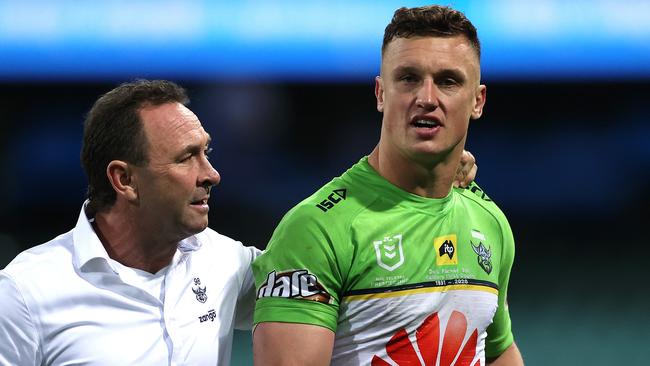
<point>406,69</point>
<point>454,73</point>
<point>196,148</point>
<point>410,69</point>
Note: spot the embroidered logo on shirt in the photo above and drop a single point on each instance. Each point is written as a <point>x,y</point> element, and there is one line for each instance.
<point>446,250</point>
<point>484,254</point>
<point>201,296</point>
<point>390,254</point>
<point>211,315</point>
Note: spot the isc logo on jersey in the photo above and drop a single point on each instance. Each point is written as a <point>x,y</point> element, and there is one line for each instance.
<point>298,284</point>
<point>335,197</point>
<point>445,248</point>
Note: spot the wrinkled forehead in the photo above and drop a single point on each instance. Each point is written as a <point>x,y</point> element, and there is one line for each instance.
<point>170,121</point>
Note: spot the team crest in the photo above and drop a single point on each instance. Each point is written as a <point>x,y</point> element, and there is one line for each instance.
<point>390,254</point>
<point>199,291</point>
<point>484,254</point>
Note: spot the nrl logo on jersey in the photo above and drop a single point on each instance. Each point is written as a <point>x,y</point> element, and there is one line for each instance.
<point>389,251</point>
<point>484,254</point>
<point>294,284</point>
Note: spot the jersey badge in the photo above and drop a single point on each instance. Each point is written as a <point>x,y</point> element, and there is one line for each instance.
<point>445,248</point>
<point>298,284</point>
<point>484,254</point>
<point>389,251</point>
<point>201,296</point>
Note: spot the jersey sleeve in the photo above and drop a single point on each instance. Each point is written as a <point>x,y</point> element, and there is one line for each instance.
<point>300,275</point>
<point>499,333</point>
<point>20,345</point>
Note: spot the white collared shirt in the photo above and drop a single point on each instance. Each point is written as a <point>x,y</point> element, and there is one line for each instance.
<point>66,302</point>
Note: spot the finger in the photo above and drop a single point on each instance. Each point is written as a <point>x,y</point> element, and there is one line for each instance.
<point>470,176</point>
<point>467,158</point>
<point>465,165</point>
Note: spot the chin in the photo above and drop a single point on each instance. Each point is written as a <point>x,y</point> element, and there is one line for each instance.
<point>196,228</point>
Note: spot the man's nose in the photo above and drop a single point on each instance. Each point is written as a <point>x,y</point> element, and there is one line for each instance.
<point>209,175</point>
<point>427,96</point>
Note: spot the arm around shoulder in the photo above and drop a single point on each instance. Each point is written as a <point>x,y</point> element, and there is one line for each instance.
<point>510,357</point>
<point>289,344</point>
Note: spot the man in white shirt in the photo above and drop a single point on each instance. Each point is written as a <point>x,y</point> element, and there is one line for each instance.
<point>141,279</point>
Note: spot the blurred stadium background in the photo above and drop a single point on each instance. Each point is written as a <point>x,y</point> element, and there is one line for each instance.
<point>286,90</point>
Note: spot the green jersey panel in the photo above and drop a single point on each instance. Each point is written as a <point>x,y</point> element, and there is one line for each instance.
<point>375,264</point>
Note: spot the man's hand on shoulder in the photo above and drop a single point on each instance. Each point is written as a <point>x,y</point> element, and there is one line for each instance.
<point>466,172</point>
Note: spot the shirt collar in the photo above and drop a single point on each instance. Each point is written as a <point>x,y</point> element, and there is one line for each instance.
<point>87,246</point>
<point>89,250</point>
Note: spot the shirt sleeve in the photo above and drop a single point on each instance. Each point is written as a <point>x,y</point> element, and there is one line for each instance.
<point>246,299</point>
<point>299,277</point>
<point>20,341</point>
<point>499,333</point>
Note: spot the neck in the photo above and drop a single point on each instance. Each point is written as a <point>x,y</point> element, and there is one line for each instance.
<point>130,243</point>
<point>430,179</point>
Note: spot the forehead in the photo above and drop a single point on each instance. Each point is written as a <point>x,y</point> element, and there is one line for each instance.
<point>170,123</point>
<point>454,52</point>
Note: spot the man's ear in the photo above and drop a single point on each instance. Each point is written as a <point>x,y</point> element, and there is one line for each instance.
<point>121,177</point>
<point>479,101</point>
<point>379,93</point>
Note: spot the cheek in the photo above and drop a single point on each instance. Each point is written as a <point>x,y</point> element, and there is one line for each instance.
<point>397,105</point>
<point>179,184</point>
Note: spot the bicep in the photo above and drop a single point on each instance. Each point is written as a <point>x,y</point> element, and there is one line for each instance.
<point>510,357</point>
<point>288,344</point>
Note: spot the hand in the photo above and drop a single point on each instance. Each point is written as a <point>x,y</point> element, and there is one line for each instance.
<point>466,172</point>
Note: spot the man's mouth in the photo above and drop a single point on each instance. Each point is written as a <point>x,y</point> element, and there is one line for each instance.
<point>426,123</point>
<point>200,202</point>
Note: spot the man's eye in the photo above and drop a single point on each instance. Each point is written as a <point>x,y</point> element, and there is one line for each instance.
<point>207,152</point>
<point>448,81</point>
<point>408,78</point>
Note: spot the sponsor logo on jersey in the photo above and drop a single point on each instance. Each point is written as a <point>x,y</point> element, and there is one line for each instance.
<point>332,199</point>
<point>199,291</point>
<point>389,251</point>
<point>478,191</point>
<point>211,315</point>
<point>483,254</point>
<point>298,284</point>
<point>446,250</point>
<point>437,343</point>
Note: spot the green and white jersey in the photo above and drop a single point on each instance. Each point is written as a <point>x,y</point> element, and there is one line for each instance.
<point>401,279</point>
